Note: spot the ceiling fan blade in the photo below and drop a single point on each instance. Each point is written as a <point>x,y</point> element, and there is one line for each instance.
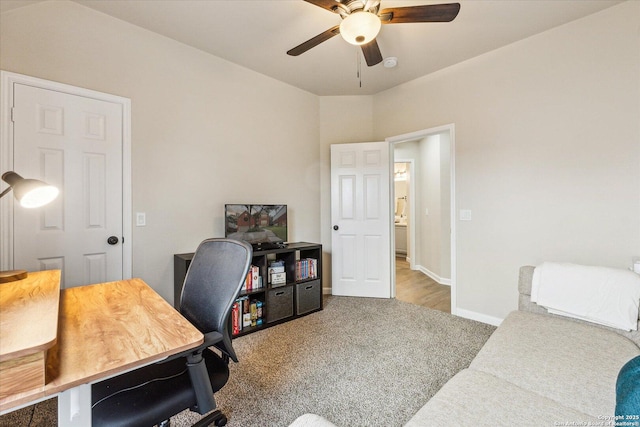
<point>330,5</point>
<point>371,53</point>
<point>425,13</point>
<point>315,41</point>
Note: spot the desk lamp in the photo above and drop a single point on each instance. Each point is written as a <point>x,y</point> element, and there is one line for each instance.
<point>30,193</point>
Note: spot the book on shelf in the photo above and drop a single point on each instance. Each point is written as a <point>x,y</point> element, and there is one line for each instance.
<point>236,323</point>
<point>306,269</point>
<point>253,280</point>
<point>259,312</point>
<point>246,313</point>
<point>256,279</point>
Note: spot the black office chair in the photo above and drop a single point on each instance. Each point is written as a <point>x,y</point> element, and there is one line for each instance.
<point>152,394</point>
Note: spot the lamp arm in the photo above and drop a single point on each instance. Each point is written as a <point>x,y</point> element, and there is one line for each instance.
<point>4,193</point>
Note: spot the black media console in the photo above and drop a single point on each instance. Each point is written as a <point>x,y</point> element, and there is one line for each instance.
<point>283,284</point>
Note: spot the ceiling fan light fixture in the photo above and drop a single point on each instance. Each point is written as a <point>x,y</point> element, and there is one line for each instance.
<point>360,28</point>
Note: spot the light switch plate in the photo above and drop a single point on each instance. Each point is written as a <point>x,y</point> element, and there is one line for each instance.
<point>465,215</point>
<point>141,219</point>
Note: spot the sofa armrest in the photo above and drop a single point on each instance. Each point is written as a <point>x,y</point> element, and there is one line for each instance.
<point>525,280</point>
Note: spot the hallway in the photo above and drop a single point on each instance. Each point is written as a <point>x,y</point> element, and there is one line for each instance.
<point>418,288</point>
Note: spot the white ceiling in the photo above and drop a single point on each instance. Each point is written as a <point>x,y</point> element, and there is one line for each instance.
<point>257,34</point>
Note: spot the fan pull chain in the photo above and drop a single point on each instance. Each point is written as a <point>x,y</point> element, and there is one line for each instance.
<point>359,67</point>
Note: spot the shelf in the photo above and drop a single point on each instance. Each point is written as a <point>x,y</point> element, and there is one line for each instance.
<point>280,303</point>
<point>249,330</point>
<point>252,292</point>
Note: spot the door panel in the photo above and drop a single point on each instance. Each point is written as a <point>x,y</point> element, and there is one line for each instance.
<point>371,197</point>
<point>75,143</point>
<point>361,251</point>
<point>348,260</point>
<point>347,196</point>
<point>372,247</point>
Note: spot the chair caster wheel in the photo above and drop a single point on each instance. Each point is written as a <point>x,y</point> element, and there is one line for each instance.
<point>215,418</point>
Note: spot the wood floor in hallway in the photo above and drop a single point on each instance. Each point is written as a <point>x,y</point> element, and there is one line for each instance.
<point>417,288</point>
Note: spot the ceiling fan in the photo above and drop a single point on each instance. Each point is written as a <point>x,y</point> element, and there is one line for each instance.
<point>362,20</point>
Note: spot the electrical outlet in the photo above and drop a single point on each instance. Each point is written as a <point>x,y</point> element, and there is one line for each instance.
<point>141,219</point>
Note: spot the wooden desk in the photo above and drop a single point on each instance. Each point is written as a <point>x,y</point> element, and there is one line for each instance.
<point>28,328</point>
<point>104,330</point>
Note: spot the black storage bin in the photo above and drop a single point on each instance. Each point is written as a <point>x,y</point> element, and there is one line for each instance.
<point>279,303</point>
<point>308,296</point>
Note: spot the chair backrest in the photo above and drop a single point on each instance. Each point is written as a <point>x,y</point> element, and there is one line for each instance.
<point>216,274</point>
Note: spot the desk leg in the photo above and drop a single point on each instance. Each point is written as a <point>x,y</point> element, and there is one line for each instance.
<point>74,407</point>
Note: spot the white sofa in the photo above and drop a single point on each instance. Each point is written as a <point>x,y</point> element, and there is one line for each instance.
<point>537,369</point>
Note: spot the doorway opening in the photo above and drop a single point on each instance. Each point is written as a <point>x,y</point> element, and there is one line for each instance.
<point>402,219</point>
<point>423,199</point>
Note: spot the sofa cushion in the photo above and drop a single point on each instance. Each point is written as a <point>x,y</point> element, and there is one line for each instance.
<point>572,363</point>
<point>475,398</point>
<point>628,390</point>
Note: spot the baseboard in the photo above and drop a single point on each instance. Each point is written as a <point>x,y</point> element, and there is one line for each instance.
<point>460,312</point>
<point>434,276</point>
<point>467,314</point>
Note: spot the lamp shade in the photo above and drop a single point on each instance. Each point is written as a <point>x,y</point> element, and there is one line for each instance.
<point>30,193</point>
<point>360,27</point>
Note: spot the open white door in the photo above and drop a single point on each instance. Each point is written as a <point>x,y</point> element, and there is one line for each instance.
<point>361,251</point>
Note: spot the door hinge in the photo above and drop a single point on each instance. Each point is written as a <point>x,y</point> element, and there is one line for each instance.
<point>13,114</point>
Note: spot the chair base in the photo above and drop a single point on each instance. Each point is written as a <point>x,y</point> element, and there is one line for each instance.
<point>216,418</point>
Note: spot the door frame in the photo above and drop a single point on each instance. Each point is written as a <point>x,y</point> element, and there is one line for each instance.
<point>413,136</point>
<point>7,80</point>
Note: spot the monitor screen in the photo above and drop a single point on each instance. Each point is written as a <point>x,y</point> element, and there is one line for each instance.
<point>256,224</point>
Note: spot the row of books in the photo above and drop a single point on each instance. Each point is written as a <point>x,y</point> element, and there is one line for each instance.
<point>307,268</point>
<point>246,313</point>
<point>253,280</point>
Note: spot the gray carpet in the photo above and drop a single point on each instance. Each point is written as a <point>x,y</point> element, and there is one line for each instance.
<point>359,362</point>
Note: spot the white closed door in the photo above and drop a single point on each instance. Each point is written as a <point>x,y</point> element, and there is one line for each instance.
<point>360,244</point>
<point>75,143</point>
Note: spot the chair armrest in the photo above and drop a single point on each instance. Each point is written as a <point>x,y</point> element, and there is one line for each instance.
<point>212,338</point>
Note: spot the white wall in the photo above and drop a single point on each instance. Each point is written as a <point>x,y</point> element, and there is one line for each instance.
<point>547,151</point>
<point>205,132</point>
